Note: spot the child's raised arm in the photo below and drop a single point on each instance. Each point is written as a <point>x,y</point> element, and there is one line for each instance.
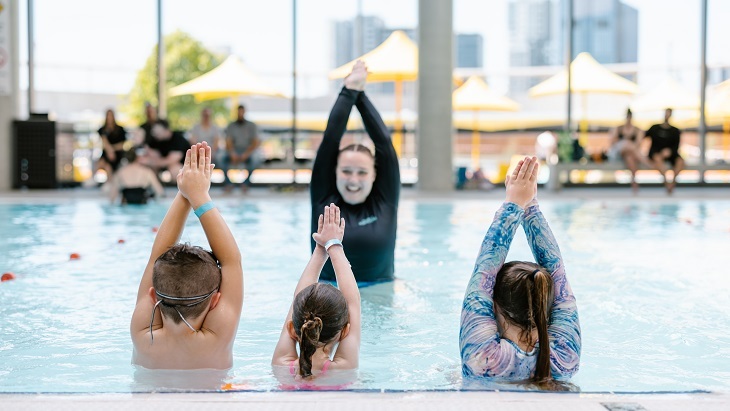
<point>564,326</point>
<point>194,183</point>
<point>348,351</point>
<point>167,236</point>
<point>482,353</point>
<point>286,350</point>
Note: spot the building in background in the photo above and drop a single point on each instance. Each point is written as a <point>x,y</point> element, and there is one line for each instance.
<point>469,51</point>
<point>607,29</point>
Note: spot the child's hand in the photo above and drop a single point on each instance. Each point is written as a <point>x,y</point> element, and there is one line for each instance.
<point>330,226</point>
<point>522,184</point>
<point>193,180</point>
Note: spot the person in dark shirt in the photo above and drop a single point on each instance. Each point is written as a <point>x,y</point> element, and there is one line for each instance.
<point>164,149</point>
<point>112,140</point>
<point>364,185</point>
<point>665,149</point>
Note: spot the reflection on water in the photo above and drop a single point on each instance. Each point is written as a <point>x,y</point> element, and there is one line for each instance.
<point>147,380</point>
<point>332,380</point>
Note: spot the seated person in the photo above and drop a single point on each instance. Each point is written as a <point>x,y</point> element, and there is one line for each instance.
<point>625,141</point>
<point>135,182</point>
<point>199,298</point>
<point>665,149</point>
<point>242,148</point>
<point>112,137</point>
<point>519,320</point>
<point>165,148</point>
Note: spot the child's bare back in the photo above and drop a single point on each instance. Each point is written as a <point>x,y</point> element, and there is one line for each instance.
<point>189,303</point>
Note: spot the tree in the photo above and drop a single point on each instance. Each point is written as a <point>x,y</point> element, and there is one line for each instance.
<point>185,59</point>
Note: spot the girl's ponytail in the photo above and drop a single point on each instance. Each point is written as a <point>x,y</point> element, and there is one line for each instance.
<point>309,341</point>
<point>541,305</point>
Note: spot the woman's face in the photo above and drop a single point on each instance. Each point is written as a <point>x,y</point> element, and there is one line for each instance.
<point>109,117</point>
<point>355,175</point>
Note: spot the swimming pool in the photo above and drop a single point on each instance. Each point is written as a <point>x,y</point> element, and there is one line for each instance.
<point>651,280</point>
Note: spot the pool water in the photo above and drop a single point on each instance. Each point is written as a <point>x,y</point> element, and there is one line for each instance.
<point>652,282</point>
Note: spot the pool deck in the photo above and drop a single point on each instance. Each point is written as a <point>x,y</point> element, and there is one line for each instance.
<point>382,401</point>
<point>354,401</point>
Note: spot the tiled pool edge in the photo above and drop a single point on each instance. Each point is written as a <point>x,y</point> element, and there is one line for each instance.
<point>353,401</point>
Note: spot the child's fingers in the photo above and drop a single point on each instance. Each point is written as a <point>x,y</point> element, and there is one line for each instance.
<point>194,156</point>
<point>531,170</point>
<point>332,214</point>
<point>320,223</point>
<point>533,176</point>
<point>326,215</point>
<point>517,169</point>
<point>337,215</point>
<point>524,168</point>
<point>201,159</point>
<point>342,223</point>
<point>187,159</point>
<point>506,181</point>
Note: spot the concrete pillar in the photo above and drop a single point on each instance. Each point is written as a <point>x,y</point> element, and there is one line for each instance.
<point>9,92</point>
<point>435,68</point>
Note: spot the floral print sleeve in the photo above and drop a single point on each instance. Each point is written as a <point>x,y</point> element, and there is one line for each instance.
<point>483,353</point>
<point>564,327</point>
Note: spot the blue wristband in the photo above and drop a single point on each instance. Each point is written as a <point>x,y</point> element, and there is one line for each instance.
<point>332,242</point>
<point>204,208</point>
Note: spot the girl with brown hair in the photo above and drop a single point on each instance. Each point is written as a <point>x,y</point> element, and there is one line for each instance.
<point>322,317</point>
<point>519,320</point>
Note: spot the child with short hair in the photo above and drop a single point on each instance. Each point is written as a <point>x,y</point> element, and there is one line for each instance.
<point>321,315</point>
<point>199,293</point>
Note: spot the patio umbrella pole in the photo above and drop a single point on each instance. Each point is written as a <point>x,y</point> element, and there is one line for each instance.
<point>398,136</point>
<point>475,141</point>
<point>703,87</point>
<point>294,95</point>
<point>568,61</point>
<point>161,80</point>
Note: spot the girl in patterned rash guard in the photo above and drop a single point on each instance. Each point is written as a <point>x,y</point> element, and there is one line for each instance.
<point>519,320</point>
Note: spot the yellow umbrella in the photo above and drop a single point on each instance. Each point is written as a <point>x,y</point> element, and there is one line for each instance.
<point>396,60</point>
<point>475,95</point>
<point>586,76</point>
<point>667,94</point>
<point>231,79</point>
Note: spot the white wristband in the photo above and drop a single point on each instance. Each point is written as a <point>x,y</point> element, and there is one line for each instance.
<point>332,242</point>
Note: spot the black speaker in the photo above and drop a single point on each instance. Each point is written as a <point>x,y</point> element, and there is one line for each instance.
<point>34,154</point>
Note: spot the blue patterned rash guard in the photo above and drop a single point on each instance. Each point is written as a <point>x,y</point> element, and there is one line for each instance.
<point>483,352</point>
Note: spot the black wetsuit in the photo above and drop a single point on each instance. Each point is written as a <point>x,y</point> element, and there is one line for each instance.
<point>117,135</point>
<point>664,137</point>
<point>370,227</point>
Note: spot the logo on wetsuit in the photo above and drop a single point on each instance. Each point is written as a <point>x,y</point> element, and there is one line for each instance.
<point>366,221</point>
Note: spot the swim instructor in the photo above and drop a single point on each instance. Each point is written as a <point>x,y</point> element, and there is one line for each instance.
<point>364,185</point>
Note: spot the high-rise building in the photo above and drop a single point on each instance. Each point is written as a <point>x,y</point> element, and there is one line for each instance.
<point>349,45</point>
<point>469,49</point>
<point>607,29</point>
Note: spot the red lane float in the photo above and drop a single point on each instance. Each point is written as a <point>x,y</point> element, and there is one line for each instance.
<point>74,256</point>
<point>7,277</point>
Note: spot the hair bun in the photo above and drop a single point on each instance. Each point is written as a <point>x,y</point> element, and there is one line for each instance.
<point>316,322</point>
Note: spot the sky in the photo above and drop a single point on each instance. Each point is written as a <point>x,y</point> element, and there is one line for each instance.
<point>98,46</point>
